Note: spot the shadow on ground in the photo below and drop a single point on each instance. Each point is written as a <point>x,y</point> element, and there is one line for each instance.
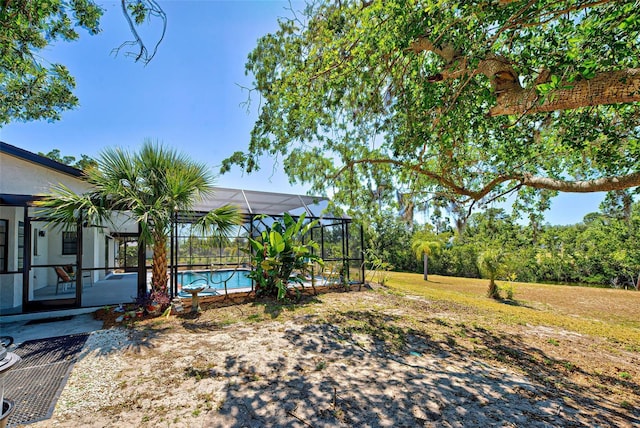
<point>363,369</point>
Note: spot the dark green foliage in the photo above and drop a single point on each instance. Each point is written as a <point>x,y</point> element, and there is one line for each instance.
<point>281,255</point>
<point>150,186</point>
<point>32,88</point>
<point>457,260</point>
<point>390,240</point>
<point>395,102</point>
<point>602,250</point>
<point>84,163</point>
<point>29,89</point>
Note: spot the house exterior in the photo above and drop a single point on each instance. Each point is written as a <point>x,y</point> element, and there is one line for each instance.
<point>30,248</point>
<point>106,265</point>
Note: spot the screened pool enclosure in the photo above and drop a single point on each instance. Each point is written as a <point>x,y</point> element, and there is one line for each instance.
<point>221,263</point>
<point>106,265</point>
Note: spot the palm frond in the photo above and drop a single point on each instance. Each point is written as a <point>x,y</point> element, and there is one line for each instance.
<point>220,221</point>
<point>64,208</point>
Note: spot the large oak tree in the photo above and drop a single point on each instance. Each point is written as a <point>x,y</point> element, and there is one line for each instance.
<point>466,100</point>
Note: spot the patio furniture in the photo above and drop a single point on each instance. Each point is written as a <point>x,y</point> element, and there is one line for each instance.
<point>85,275</point>
<point>63,279</point>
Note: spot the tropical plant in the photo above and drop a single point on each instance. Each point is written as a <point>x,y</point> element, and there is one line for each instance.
<point>492,263</point>
<point>378,267</point>
<point>281,255</point>
<point>151,186</point>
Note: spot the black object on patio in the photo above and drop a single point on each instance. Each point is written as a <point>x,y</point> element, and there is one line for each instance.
<point>34,387</point>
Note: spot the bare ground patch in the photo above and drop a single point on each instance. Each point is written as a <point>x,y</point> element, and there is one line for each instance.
<point>370,358</point>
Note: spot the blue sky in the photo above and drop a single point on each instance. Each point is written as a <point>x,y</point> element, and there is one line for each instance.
<point>189,97</point>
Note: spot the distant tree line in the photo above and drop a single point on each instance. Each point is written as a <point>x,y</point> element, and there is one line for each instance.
<point>83,163</point>
<point>601,250</point>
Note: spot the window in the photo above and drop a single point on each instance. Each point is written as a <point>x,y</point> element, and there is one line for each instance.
<point>4,244</point>
<point>69,243</point>
<point>35,242</point>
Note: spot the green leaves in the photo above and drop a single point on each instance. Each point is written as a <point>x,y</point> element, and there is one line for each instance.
<point>151,186</point>
<point>426,242</point>
<point>588,69</point>
<point>29,91</point>
<point>283,254</point>
<point>350,100</point>
<point>138,10</point>
<point>276,243</point>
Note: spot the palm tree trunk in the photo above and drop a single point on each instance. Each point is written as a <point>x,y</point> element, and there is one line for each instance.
<point>159,264</point>
<point>426,267</point>
<point>493,291</point>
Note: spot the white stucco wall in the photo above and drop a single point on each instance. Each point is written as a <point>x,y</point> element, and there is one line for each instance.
<point>122,223</point>
<point>19,177</point>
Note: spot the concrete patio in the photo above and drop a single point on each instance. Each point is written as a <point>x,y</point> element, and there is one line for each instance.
<point>113,289</point>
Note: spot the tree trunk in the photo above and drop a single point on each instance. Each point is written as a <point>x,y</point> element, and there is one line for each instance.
<point>426,267</point>
<point>159,265</point>
<point>607,87</point>
<point>493,290</point>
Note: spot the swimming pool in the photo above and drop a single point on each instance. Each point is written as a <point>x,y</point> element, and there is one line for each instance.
<point>214,281</point>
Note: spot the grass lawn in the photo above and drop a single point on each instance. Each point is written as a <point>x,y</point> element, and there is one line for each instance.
<point>608,313</point>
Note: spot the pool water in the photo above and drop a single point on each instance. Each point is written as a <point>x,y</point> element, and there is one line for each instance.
<point>215,279</point>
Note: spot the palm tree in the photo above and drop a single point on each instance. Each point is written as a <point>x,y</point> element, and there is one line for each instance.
<point>151,186</point>
<point>425,243</point>
<point>492,263</point>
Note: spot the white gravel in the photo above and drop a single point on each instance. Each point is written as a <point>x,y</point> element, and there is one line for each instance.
<point>94,379</point>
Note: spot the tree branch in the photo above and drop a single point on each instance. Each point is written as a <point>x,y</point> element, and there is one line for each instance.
<point>556,13</point>
<point>613,87</point>
<point>152,8</point>
<point>603,184</point>
<point>610,87</point>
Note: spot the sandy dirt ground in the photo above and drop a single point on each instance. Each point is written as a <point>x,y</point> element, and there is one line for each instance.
<point>360,359</point>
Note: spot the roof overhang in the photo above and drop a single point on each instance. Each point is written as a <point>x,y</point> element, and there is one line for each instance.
<point>250,202</point>
<point>39,160</point>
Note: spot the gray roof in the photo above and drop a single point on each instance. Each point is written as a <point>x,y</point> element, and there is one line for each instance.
<point>272,203</point>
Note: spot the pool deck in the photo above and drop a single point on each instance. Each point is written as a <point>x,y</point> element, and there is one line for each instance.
<point>211,291</point>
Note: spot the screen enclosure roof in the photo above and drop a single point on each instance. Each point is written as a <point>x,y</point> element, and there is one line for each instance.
<point>253,202</point>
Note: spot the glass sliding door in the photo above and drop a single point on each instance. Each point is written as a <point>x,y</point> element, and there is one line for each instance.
<point>126,252</point>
